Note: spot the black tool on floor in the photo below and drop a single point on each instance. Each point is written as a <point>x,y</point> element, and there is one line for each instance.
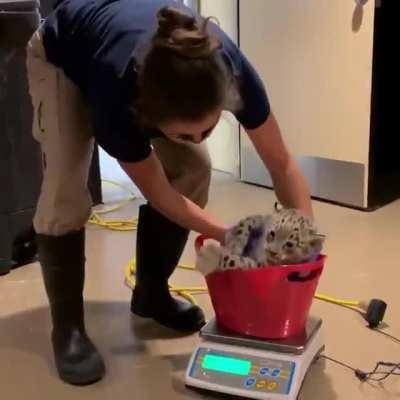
<point>375,313</point>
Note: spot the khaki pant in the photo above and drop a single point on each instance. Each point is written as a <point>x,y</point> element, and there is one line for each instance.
<point>62,126</point>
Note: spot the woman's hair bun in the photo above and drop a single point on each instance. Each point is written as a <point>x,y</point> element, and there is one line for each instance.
<point>184,34</point>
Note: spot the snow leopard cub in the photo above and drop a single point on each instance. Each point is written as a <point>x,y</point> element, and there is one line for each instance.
<point>285,237</point>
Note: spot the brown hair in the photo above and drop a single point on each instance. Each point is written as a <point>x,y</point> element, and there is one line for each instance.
<point>183,75</point>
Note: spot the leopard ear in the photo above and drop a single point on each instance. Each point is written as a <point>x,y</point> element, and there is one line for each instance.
<point>317,238</point>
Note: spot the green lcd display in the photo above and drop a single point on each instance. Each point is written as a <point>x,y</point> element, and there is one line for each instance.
<point>229,365</point>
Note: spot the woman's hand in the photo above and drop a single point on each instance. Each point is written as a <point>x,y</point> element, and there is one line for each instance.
<point>289,183</point>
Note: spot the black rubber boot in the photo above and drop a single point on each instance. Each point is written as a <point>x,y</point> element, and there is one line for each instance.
<point>63,266</point>
<point>159,246</point>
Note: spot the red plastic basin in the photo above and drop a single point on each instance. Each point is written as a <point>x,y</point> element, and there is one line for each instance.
<point>267,303</point>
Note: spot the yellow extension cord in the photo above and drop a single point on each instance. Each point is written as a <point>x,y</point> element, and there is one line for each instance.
<point>185,292</point>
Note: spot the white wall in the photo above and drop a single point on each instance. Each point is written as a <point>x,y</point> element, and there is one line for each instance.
<point>224,142</point>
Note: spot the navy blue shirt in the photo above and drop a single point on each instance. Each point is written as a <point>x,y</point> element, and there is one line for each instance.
<point>95,41</point>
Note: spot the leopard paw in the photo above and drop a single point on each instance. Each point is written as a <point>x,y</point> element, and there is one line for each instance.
<point>208,259</point>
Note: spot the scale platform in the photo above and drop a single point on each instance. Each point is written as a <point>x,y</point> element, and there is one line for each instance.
<point>259,369</point>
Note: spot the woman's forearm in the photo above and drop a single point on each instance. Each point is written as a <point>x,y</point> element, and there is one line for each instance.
<point>291,188</point>
<point>289,183</point>
<point>149,176</point>
<point>184,212</point>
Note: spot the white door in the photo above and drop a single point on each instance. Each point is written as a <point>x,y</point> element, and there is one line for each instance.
<point>316,60</point>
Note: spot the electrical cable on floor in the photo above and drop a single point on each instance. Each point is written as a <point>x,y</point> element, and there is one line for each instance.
<point>395,367</point>
<point>341,363</point>
<point>369,376</point>
<point>114,224</point>
<point>394,338</point>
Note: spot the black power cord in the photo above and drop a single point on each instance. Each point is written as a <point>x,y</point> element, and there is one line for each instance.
<point>370,376</point>
<point>394,370</point>
<point>382,369</point>
<point>395,339</point>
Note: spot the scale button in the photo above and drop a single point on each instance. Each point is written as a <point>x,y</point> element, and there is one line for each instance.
<point>250,382</point>
<point>284,375</point>
<point>264,371</point>
<point>275,373</point>
<point>272,386</point>
<point>261,384</point>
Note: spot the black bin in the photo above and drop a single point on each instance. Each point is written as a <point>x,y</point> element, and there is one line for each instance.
<point>20,156</point>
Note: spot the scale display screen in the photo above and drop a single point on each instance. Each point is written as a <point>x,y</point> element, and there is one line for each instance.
<point>228,365</point>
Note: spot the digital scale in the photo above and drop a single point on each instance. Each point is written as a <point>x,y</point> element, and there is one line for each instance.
<point>253,368</point>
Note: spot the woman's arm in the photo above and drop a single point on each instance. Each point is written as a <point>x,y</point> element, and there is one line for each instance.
<point>290,185</point>
<point>150,178</point>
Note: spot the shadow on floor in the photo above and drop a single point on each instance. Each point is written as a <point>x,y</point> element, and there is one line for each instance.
<point>109,324</point>
<point>318,385</point>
